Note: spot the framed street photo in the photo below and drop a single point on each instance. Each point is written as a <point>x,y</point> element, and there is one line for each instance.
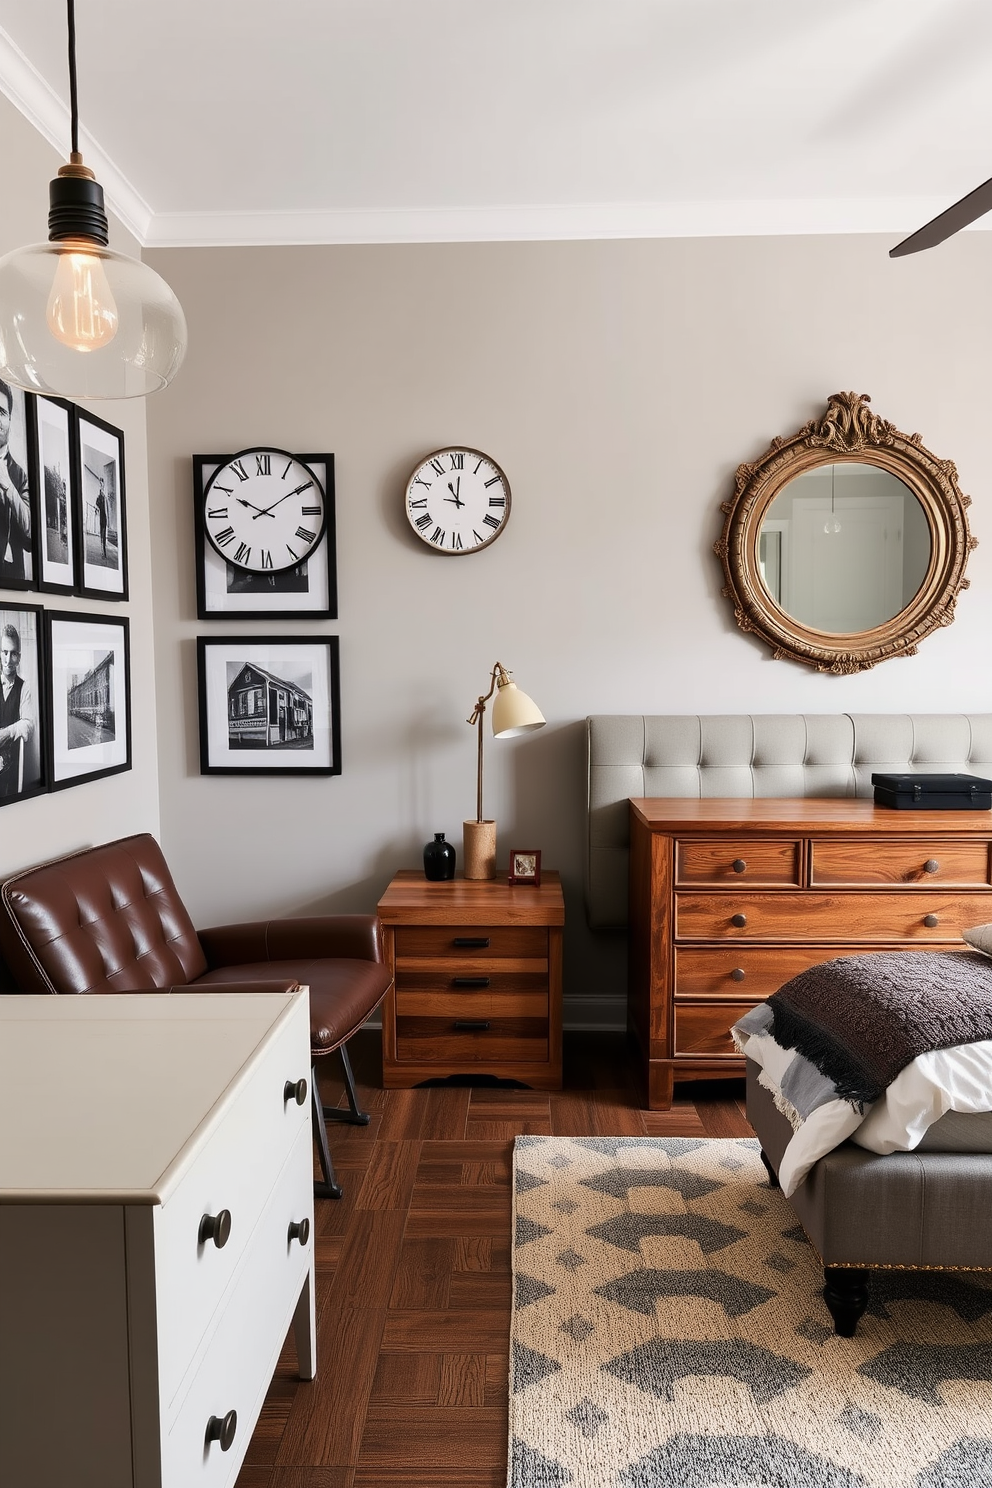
<point>23,755</point>
<point>101,514</point>
<point>269,707</point>
<point>52,477</point>
<point>90,696</point>
<point>223,588</point>
<point>18,507</point>
<point>525,866</point>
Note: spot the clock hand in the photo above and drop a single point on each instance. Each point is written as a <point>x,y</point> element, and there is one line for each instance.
<point>454,494</point>
<point>266,511</point>
<point>258,510</point>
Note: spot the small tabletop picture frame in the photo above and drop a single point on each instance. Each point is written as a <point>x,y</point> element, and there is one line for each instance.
<point>525,866</point>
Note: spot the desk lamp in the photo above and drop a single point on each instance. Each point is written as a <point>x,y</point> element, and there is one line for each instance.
<point>513,713</point>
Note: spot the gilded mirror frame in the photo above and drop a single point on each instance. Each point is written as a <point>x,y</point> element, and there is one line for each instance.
<point>848,431</point>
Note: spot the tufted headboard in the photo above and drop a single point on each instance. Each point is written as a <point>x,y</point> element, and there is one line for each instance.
<point>790,754</point>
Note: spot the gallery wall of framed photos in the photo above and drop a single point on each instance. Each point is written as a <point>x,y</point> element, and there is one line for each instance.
<point>65,710</point>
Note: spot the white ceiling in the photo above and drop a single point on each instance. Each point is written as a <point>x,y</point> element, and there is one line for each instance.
<point>233,121</point>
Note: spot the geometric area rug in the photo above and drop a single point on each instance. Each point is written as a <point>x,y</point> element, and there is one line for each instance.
<point>668,1332</point>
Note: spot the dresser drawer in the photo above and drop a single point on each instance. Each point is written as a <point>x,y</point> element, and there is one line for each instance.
<point>896,916</point>
<point>464,943</point>
<point>234,1170</point>
<point>435,1040</point>
<point>234,1372</point>
<point>734,971</point>
<point>756,861</point>
<point>703,1029</point>
<point>925,864</point>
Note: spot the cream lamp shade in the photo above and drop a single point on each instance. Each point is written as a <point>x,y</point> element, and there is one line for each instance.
<point>514,712</point>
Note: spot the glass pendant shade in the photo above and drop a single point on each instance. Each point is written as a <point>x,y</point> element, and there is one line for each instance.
<point>78,320</point>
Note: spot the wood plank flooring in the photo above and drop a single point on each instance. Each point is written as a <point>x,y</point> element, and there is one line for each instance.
<point>413,1271</point>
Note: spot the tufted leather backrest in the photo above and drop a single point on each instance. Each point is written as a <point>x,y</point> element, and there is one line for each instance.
<point>761,755</point>
<point>107,919</point>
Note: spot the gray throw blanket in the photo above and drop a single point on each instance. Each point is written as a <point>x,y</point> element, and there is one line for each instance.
<point>862,1019</point>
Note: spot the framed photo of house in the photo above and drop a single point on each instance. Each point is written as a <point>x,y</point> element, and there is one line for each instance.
<point>307,591</point>
<point>269,707</point>
<point>23,703</point>
<point>18,503</point>
<point>89,672</point>
<point>53,481</point>
<point>101,509</point>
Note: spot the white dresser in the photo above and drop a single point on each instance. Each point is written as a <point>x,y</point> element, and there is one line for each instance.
<point>156,1217</point>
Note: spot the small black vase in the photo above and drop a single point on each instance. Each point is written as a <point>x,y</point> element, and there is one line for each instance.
<point>439,859</point>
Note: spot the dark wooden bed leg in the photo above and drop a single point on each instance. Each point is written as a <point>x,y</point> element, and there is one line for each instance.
<point>772,1175</point>
<point>846,1295</point>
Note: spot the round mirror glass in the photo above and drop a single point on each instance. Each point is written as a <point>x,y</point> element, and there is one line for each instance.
<point>844,548</point>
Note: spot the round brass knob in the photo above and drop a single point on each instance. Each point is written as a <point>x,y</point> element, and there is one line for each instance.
<point>215,1227</point>
<point>739,865</point>
<point>740,920</point>
<point>738,974</point>
<point>223,1429</point>
<point>295,1090</point>
<point>930,921</point>
<point>299,1229</point>
<point>931,866</point>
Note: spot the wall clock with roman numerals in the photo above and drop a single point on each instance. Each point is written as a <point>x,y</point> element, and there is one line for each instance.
<point>457,500</point>
<point>265,534</point>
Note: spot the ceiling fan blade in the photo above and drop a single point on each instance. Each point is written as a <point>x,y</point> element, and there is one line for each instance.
<point>968,209</point>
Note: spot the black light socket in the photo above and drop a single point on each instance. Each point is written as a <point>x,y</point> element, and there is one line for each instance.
<point>76,210</point>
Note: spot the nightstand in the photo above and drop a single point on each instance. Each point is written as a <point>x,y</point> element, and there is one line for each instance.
<point>476,980</point>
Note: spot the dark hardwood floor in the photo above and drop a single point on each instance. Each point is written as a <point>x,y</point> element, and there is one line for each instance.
<point>413,1271</point>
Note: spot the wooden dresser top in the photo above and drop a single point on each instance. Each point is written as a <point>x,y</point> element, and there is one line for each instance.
<point>801,814</point>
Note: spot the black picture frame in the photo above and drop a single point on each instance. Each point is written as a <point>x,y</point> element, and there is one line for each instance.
<point>53,480</point>
<point>269,705</point>
<point>101,531</point>
<point>24,761</point>
<point>307,592</point>
<point>89,696</point>
<point>18,494</point>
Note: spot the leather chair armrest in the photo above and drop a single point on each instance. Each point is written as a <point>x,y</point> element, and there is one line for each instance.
<point>353,936</point>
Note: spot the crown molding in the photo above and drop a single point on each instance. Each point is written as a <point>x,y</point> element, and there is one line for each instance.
<point>28,91</point>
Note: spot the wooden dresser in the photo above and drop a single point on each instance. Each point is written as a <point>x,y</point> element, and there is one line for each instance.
<point>731,898</point>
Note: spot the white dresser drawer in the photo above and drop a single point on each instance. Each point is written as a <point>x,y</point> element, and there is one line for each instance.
<point>236,1368</point>
<point>234,1171</point>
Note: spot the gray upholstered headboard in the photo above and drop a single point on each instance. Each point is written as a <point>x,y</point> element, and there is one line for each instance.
<point>820,754</point>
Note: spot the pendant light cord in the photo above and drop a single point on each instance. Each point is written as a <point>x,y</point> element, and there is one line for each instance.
<point>73,99</point>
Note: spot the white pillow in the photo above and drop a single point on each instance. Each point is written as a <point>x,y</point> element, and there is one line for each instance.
<point>980,938</point>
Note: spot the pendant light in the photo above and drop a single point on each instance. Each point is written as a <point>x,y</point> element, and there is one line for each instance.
<point>832,524</point>
<point>77,319</point>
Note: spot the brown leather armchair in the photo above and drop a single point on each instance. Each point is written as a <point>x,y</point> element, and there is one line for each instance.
<point>109,919</point>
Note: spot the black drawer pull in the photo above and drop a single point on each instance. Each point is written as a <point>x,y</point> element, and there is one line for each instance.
<point>931,921</point>
<point>215,1227</point>
<point>472,942</point>
<point>738,974</point>
<point>299,1229</point>
<point>295,1090</point>
<point>471,1025</point>
<point>479,981</point>
<point>222,1429</point>
<point>739,865</point>
<point>740,920</point>
<point>931,866</point>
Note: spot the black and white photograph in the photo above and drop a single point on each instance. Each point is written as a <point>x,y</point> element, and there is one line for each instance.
<point>269,707</point>
<point>307,590</point>
<point>90,697</point>
<point>101,542</point>
<point>17,509</point>
<point>22,703</point>
<point>53,481</point>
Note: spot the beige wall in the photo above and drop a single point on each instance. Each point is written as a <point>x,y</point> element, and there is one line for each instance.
<point>103,809</point>
<point>618,384</point>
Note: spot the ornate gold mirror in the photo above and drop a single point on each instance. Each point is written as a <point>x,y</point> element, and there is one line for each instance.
<point>845,543</point>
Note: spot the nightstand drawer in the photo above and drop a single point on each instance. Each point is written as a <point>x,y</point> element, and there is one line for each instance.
<point>906,863</point>
<point>471,1039</point>
<point>480,1004</point>
<point>768,862</point>
<point>471,942</point>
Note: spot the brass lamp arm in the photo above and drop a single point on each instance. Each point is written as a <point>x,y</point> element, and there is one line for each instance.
<point>499,678</point>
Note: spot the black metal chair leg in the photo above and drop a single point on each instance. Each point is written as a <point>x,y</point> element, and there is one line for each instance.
<point>329,1188</point>
<point>353,1116</point>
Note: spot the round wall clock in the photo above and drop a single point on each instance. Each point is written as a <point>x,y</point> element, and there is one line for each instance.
<point>457,500</point>
<point>264,510</point>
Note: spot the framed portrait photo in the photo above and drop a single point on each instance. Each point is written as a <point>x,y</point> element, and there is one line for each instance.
<point>101,509</point>
<point>89,696</point>
<point>23,703</point>
<point>269,707</point>
<point>18,504</point>
<point>306,591</point>
<point>53,479</point>
<point>525,866</point>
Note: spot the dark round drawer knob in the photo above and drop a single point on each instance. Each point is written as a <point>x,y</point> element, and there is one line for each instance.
<point>216,1227</point>
<point>740,920</point>
<point>295,1090</point>
<point>299,1229</point>
<point>738,974</point>
<point>739,865</point>
<point>223,1429</point>
<point>931,866</point>
<point>931,921</point>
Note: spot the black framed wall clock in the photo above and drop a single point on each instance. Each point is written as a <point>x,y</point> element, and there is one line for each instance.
<point>265,535</point>
<point>457,500</point>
